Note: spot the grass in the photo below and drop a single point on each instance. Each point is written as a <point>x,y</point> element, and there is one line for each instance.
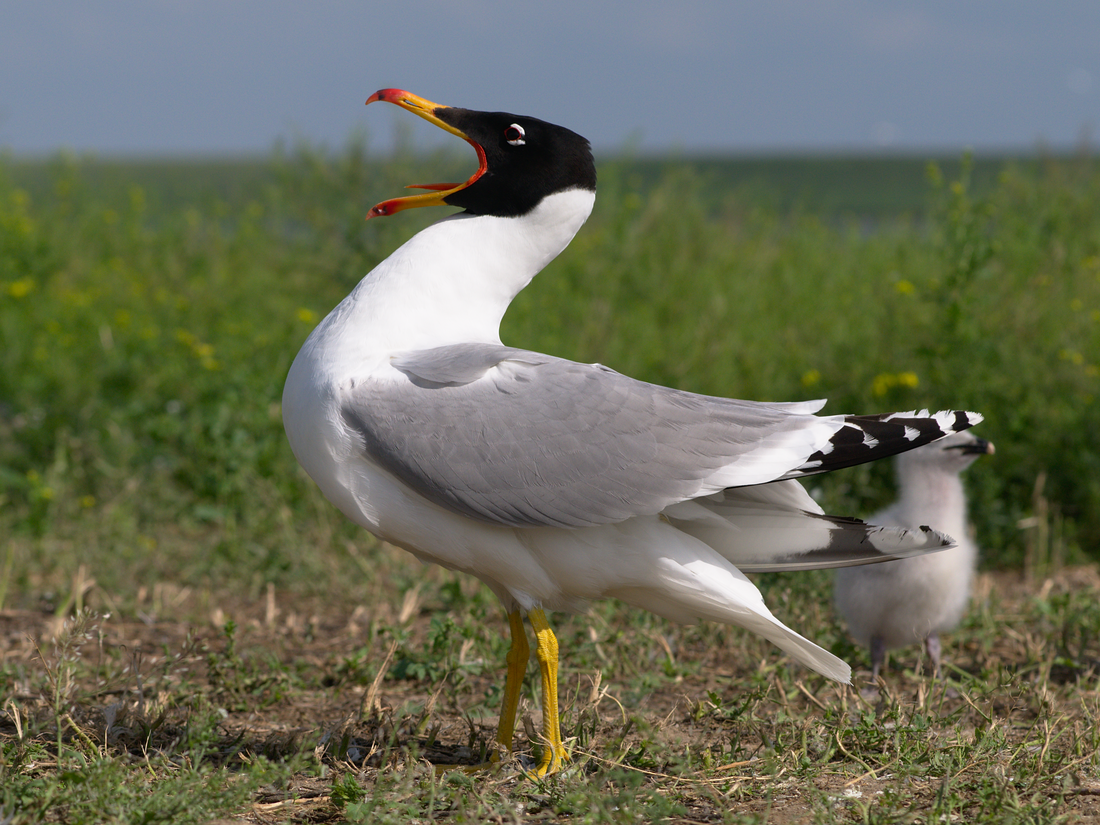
<point>266,717</point>
<point>190,632</point>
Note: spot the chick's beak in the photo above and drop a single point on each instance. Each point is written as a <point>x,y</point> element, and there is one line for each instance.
<point>439,191</point>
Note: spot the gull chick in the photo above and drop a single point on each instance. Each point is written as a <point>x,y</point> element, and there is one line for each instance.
<point>903,602</point>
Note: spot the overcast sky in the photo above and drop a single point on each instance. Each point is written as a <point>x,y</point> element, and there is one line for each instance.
<point>233,76</point>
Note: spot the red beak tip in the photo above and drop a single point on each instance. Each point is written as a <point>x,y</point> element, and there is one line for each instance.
<point>387,96</point>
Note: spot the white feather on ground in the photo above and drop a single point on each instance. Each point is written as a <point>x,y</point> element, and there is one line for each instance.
<point>904,602</point>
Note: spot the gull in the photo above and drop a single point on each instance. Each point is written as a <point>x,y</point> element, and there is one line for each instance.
<point>556,483</point>
<point>915,599</point>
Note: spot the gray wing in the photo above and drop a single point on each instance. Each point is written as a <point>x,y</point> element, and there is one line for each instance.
<point>521,439</point>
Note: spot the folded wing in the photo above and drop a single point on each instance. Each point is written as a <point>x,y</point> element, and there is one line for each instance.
<point>517,438</point>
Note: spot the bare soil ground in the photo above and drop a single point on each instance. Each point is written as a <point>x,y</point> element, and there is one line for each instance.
<point>288,682</point>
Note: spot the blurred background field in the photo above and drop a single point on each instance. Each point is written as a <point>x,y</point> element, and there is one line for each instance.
<point>149,312</point>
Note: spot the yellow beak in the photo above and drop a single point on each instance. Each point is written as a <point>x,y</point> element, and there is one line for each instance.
<point>440,191</point>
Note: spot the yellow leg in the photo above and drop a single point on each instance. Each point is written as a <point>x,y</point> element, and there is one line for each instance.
<point>518,654</point>
<point>546,650</point>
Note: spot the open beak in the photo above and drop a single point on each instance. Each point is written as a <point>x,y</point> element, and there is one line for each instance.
<point>439,191</point>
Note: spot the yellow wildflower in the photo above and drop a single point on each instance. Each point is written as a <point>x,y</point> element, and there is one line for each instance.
<point>886,381</point>
<point>20,288</point>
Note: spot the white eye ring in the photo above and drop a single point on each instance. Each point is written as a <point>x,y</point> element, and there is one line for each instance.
<point>517,130</point>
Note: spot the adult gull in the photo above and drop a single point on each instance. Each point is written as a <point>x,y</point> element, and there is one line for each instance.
<point>554,482</point>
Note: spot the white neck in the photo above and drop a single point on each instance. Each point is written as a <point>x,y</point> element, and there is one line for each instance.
<point>935,490</point>
<point>452,282</point>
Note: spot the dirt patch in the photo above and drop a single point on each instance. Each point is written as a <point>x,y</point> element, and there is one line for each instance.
<point>305,681</point>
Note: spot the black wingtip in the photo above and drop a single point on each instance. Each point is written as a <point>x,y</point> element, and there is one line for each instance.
<point>865,438</point>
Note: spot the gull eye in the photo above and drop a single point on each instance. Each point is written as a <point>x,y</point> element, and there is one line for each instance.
<point>514,135</point>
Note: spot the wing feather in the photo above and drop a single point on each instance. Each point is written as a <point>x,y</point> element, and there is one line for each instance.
<point>522,439</point>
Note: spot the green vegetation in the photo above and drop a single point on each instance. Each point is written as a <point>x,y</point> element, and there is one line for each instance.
<point>149,313</point>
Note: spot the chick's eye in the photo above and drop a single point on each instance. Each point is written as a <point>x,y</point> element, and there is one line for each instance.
<point>514,135</point>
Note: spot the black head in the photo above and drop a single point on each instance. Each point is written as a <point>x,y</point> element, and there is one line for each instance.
<point>526,159</point>
<point>522,160</point>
